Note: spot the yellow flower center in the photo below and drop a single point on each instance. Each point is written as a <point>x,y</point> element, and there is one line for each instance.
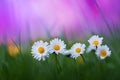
<point>78,50</point>
<point>95,42</point>
<point>41,50</point>
<point>103,53</point>
<point>56,47</point>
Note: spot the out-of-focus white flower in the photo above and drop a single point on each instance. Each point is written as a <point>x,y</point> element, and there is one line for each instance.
<point>103,51</point>
<point>77,49</point>
<point>57,46</point>
<point>95,40</point>
<point>40,50</point>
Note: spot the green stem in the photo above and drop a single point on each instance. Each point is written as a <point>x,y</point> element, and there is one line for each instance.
<point>57,63</point>
<point>83,58</point>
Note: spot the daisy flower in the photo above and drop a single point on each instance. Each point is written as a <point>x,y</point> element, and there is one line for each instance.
<point>94,42</point>
<point>90,48</point>
<point>57,46</point>
<point>40,50</point>
<point>67,52</point>
<point>103,51</point>
<point>77,49</point>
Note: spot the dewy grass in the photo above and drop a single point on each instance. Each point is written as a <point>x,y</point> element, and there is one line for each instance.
<point>24,67</point>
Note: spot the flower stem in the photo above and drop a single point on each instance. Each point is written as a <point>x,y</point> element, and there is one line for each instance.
<point>83,58</point>
<point>57,63</point>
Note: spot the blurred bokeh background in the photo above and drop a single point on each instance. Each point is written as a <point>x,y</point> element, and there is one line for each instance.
<point>32,19</point>
<point>23,22</point>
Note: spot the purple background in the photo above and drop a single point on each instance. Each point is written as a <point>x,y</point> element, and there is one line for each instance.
<point>38,18</point>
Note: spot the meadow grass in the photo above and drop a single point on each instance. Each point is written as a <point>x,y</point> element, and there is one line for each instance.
<point>24,67</point>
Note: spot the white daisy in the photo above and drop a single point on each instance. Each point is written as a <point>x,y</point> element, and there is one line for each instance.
<point>77,49</point>
<point>57,46</point>
<point>95,41</point>
<point>40,50</point>
<point>90,48</point>
<point>103,51</point>
<point>67,52</point>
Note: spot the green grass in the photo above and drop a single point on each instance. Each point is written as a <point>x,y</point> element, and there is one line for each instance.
<point>24,67</point>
